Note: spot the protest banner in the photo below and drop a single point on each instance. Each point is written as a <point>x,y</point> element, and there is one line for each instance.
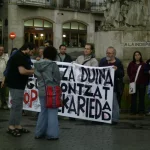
<point>87,92</point>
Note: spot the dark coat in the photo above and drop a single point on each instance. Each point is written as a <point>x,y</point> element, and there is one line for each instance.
<point>119,73</point>
<point>67,58</point>
<point>142,77</point>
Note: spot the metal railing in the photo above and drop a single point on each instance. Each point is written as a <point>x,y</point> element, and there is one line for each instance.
<point>76,6</point>
<point>90,7</point>
<point>98,8</point>
<point>51,3</point>
<point>73,5</point>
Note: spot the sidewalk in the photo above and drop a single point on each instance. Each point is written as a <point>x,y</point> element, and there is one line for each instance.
<point>80,135</point>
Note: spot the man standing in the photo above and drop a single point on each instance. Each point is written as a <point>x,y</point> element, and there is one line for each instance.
<point>111,60</point>
<point>40,53</point>
<point>48,43</point>
<point>3,63</point>
<point>63,56</point>
<point>16,80</point>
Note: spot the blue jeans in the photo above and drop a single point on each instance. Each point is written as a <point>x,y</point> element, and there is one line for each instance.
<point>115,109</point>
<point>47,124</point>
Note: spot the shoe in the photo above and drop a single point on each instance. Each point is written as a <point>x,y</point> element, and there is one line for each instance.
<point>114,123</point>
<point>53,139</point>
<point>23,130</point>
<point>142,114</point>
<point>72,119</point>
<point>97,123</point>
<point>39,137</point>
<point>13,132</point>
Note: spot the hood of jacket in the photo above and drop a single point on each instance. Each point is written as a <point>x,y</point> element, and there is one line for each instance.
<point>42,64</point>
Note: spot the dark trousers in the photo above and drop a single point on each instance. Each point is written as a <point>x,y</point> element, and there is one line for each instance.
<point>3,95</point>
<point>140,94</point>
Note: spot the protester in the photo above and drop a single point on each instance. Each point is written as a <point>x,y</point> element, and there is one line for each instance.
<point>3,63</point>
<point>88,58</point>
<point>47,69</point>
<point>111,60</point>
<point>63,56</point>
<point>142,81</point>
<point>40,53</point>
<point>48,43</point>
<point>147,71</point>
<point>16,80</point>
<point>13,51</point>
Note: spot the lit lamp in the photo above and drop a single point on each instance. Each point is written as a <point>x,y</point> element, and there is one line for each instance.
<point>12,36</point>
<point>64,35</point>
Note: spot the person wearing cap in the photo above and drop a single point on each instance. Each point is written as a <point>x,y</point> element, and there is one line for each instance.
<point>16,80</point>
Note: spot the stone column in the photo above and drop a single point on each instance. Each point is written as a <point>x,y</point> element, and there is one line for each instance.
<point>15,25</point>
<point>90,33</point>
<point>57,29</point>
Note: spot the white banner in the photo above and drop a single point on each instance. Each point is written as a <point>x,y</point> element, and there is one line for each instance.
<point>87,91</point>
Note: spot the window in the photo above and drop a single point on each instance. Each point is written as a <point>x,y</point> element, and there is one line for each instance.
<point>38,23</point>
<point>1,34</point>
<point>97,25</point>
<point>37,31</point>
<point>47,24</point>
<point>74,34</point>
<point>28,23</point>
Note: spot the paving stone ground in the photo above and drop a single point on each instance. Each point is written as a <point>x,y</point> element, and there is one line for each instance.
<point>80,135</point>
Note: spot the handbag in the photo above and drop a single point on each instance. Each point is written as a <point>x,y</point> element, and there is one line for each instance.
<point>53,95</point>
<point>132,85</point>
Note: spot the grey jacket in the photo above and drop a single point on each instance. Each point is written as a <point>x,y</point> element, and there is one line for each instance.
<point>88,61</point>
<point>50,73</point>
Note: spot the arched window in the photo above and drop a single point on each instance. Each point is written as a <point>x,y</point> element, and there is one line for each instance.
<point>37,31</point>
<point>74,34</point>
<point>1,33</point>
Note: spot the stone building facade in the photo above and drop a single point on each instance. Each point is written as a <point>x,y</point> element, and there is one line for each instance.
<point>124,24</point>
<point>71,22</point>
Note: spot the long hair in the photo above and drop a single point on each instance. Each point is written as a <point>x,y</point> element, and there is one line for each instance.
<point>141,59</point>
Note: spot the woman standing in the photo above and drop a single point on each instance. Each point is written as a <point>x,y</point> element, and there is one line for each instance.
<point>142,81</point>
<point>47,69</point>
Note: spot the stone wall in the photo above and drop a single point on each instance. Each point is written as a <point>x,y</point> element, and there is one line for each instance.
<point>4,17</point>
<point>118,39</point>
<point>17,15</point>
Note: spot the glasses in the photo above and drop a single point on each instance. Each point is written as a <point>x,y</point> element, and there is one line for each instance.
<point>87,48</point>
<point>109,53</point>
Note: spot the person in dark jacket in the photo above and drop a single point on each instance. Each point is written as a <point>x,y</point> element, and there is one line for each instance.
<point>142,81</point>
<point>111,60</point>
<point>63,56</point>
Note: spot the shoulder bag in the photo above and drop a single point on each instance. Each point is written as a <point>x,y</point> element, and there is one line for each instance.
<point>132,85</point>
<point>52,95</point>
